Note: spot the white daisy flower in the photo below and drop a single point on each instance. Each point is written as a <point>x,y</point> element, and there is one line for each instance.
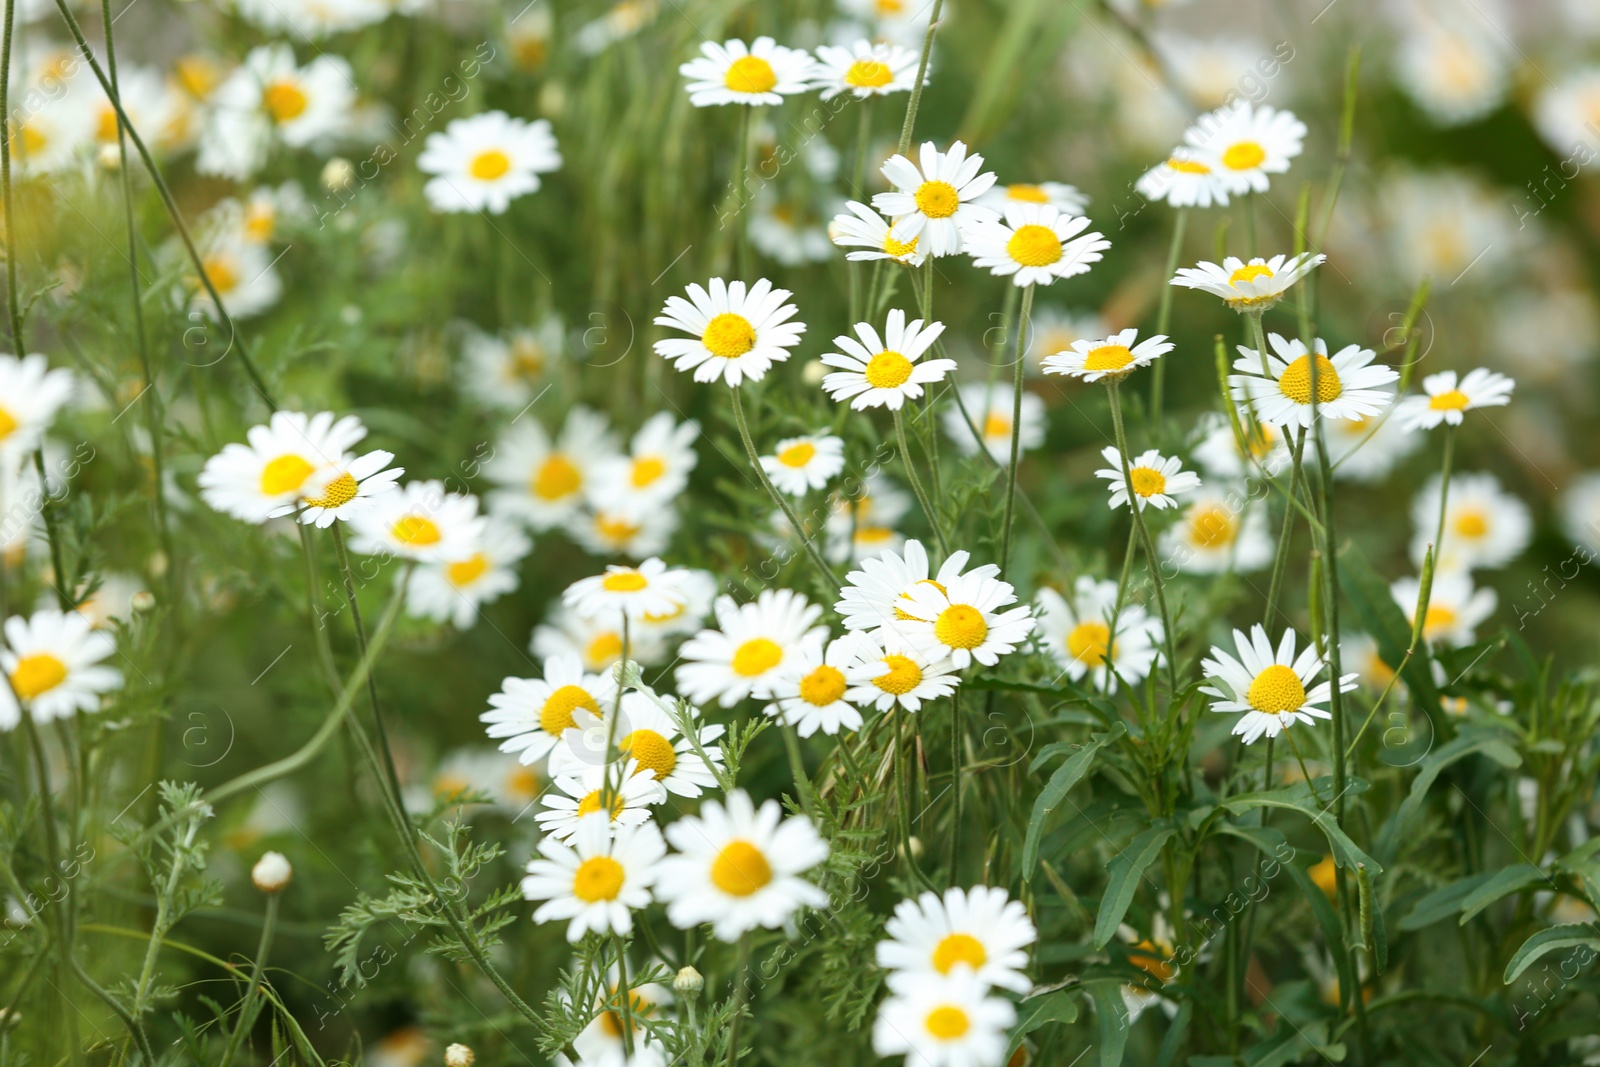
<point>1269,686</point>
<point>1457,74</point>
<point>1245,143</point>
<point>651,588</point>
<point>503,372</point>
<point>346,489</point>
<point>887,670</point>
<point>873,597</point>
<point>1035,245</point>
<point>1446,398</point>
<point>992,411</point>
<point>543,482</point>
<point>800,464</point>
<point>635,530</point>
<point>649,736</point>
<point>1114,357</point>
<point>862,541</point>
<point>1053,330</point>
<point>596,643</point>
<point>597,881</point>
<point>1361,652</point>
<point>30,395</point>
<point>1253,286</point>
<point>602,1042</point>
<point>241,272</point>
<point>696,590</point>
<point>1349,385</point>
<point>453,591</point>
<point>785,231</point>
<point>944,1021</point>
<point>294,462</point>
<point>510,785</point>
<point>980,929</point>
<point>738,867</point>
<point>420,522</point>
<point>1067,199</point>
<point>934,203</point>
<point>1219,532</point>
<point>809,693</point>
<point>1184,179</point>
<point>1455,609</point>
<point>146,100</point>
<point>862,227</point>
<point>271,98</point>
<point>763,72</point>
<point>1563,113</point>
<point>532,714</point>
<point>884,372</point>
<point>1366,450</point>
<point>1483,526</point>
<point>47,136</point>
<point>52,665</point>
<point>1076,631</point>
<point>1157,479</point>
<point>742,657</point>
<point>656,469</point>
<point>630,793</point>
<point>900,21</point>
<point>963,620</point>
<point>1154,955</point>
<point>1580,511</point>
<point>1217,447</point>
<point>864,69</point>
<point>1449,225</point>
<point>738,333</point>
<point>485,161</point>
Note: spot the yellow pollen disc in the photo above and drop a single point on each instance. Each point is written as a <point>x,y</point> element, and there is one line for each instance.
<point>593,803</point>
<point>797,455</point>
<point>490,165</point>
<point>750,74</point>
<point>416,530</point>
<point>654,752</point>
<point>8,425</point>
<point>1107,357</point>
<point>891,7</point>
<point>1028,194</point>
<point>463,573</point>
<point>597,878</point>
<point>937,200</point>
<point>756,656</point>
<point>822,686</point>
<point>106,127</point>
<point>220,270</point>
<point>557,478</point>
<point>1088,642</point>
<point>1212,526</point>
<point>1034,246</point>
<point>603,649</point>
<point>340,491</point>
<point>646,470</point>
<point>868,74</point>
<point>995,425</point>
<point>34,140</point>
<point>1277,689</point>
<point>1147,482</point>
<point>1246,155</point>
<point>729,336</point>
<point>1454,400</point>
<point>947,1022</point>
<point>284,101</point>
<point>1325,875</point>
<point>904,675</point>
<point>614,530</point>
<point>1472,523</point>
<point>665,616</point>
<point>527,358</point>
<point>1438,618</point>
<point>284,475</point>
<point>611,1021</point>
<point>740,869</point>
<point>37,674</point>
<point>888,370</point>
<point>1296,381</point>
<point>873,535</point>
<point>898,249</point>
<point>961,626</point>
<point>1152,960</point>
<point>1249,273</point>
<point>1187,166</point>
<point>523,782</point>
<point>623,582</point>
<point>450,785</point>
<point>958,948</point>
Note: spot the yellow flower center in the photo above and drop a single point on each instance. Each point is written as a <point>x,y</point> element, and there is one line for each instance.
<point>106,127</point>
<point>1296,381</point>
<point>8,424</point>
<point>646,470</point>
<point>1034,246</point>
<point>1188,166</point>
<point>284,100</point>
<point>1438,618</point>
<point>756,656</point>
<point>340,491</point>
<point>1277,689</point>
<point>1107,358</point>
<point>628,581</point>
<point>593,802</point>
<point>797,455</point>
<point>1088,642</point>
<point>527,358</point>
<point>750,74</point>
<point>729,336</point>
<point>259,223</point>
<point>1028,194</point>
<point>1454,400</point>
<point>1246,155</point>
<point>665,616</point>
<point>36,674</point>
<point>557,478</point>
<point>888,370</point>
<point>1147,481</point>
<point>1249,273</point>
<point>903,676</point>
<point>34,140</point>
<point>603,649</point>
<point>220,270</point>
<point>996,425</point>
<point>1152,960</point>
<point>416,530</point>
<point>873,535</point>
<point>464,572</point>
<point>961,626</point>
<point>490,165</point>
<point>597,878</point>
<point>947,1022</point>
<point>615,530</point>
<point>284,475</point>
<point>1472,523</point>
<point>654,752</point>
<point>1212,526</point>
<point>898,249</point>
<point>958,948</point>
<point>523,782</point>
<point>611,1021</point>
<point>822,686</point>
<point>740,869</point>
<point>868,74</point>
<point>937,200</point>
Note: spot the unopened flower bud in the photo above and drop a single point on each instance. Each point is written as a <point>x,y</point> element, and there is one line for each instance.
<point>688,982</point>
<point>143,600</point>
<point>337,175</point>
<point>459,1056</point>
<point>271,872</point>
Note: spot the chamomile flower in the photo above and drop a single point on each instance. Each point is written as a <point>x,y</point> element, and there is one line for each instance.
<point>1349,385</point>
<point>635,530</point>
<point>597,881</point>
<point>1186,178</point>
<point>763,72</point>
<point>1483,525</point>
<point>964,620</point>
<point>810,691</point>
<point>651,588</point>
<point>345,489</point>
<point>1367,449</point>
<point>1246,143</point>
<point>504,371</point>
<point>533,713</point>
<point>656,468</point>
<point>991,412</point>
<point>1219,532</point>
<point>631,796</point>
<point>1455,609</point>
<point>933,204</point>
<point>47,137</point>
<point>1217,447</point>
<point>1456,74</point>
<point>603,1042</point>
<point>739,867</point>
<point>1269,686</point>
<point>1447,398</point>
<point>291,459</point>
<point>864,70</point>
<point>849,543</point>
<point>647,734</point>
<point>739,332</point>
<point>596,643</point>
<point>241,272</point>
<point>506,783</point>
<point>1580,511</point>
<point>863,228</point>
<point>1036,244</point>
<point>269,98</point>
<point>1157,480</point>
<point>980,929</point>
<point>52,665</point>
<point>800,464</point>
<point>944,1021</point>
<point>454,590</point>
<point>1154,955</point>
<point>30,395</point>
<point>1067,199</point>
<point>887,670</point>
<point>901,21</point>
<point>1112,358</point>
<point>1252,286</point>
<point>542,481</point>
<point>1054,330</point>
<point>696,590</point>
<point>1076,631</point>
<point>420,522</point>
<point>1563,113</point>
<point>743,656</point>
<point>485,161</point>
<point>873,597</point>
<point>883,372</point>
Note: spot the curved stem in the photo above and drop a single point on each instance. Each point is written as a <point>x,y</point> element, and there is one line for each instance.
<point>915,102</point>
<point>246,1007</point>
<point>1023,314</point>
<point>778,498</point>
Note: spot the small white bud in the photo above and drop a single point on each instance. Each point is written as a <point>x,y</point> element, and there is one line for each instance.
<point>271,872</point>
<point>688,982</point>
<point>337,175</point>
<point>143,600</point>
<point>459,1056</point>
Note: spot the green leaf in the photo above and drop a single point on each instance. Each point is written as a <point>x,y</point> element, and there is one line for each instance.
<point>1126,871</point>
<point>1442,902</point>
<point>1569,935</point>
<point>1490,743</point>
<point>1113,1016</point>
<point>1382,618</point>
<point>1060,1006</point>
<point>1332,930</point>
<point>1056,789</point>
<point>1299,797</point>
<point>1504,882</point>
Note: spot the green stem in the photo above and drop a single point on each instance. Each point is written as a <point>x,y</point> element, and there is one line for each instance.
<point>741,981</point>
<point>783,505</point>
<point>349,579</point>
<point>915,102</point>
<point>1444,486</point>
<point>955,785</point>
<point>247,1006</point>
<point>1151,559</point>
<point>916,483</point>
<point>1023,315</point>
<point>797,767</point>
<point>1164,317</point>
